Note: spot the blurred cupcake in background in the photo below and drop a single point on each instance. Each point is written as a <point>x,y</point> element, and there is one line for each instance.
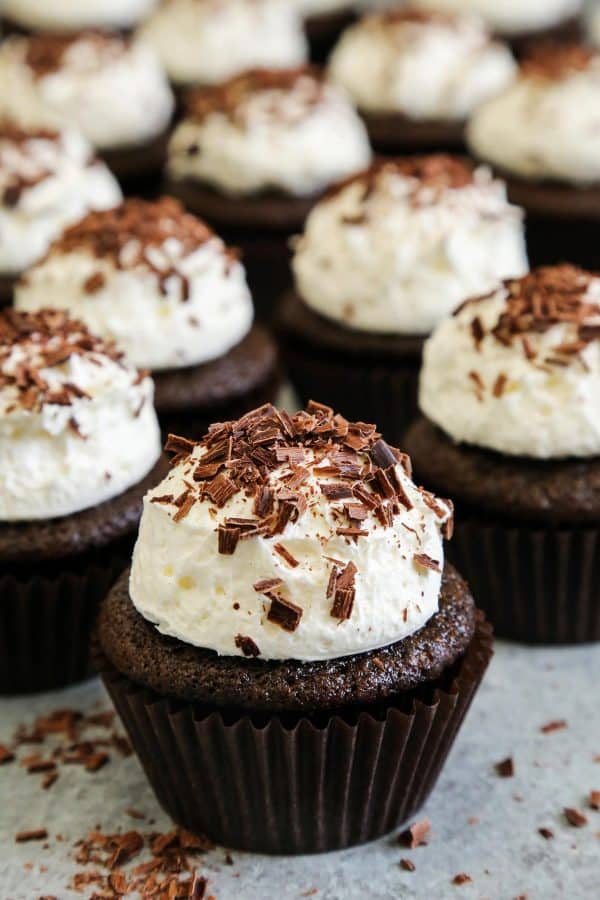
<point>110,87</point>
<point>207,41</point>
<point>416,76</point>
<point>253,155</point>
<point>382,260</point>
<point>519,21</point>
<point>173,297</point>
<point>48,179</point>
<point>80,446</point>
<point>542,135</point>
<point>66,15</point>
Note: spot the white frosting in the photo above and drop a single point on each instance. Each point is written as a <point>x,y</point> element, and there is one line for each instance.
<point>70,188</point>
<point>543,128</point>
<point>155,330</point>
<point>544,410</point>
<point>393,264</point>
<point>206,41</point>
<point>510,17</point>
<point>279,138</point>
<point>181,583</point>
<point>117,96</point>
<point>440,69</point>
<point>50,470</point>
<point>73,15</point>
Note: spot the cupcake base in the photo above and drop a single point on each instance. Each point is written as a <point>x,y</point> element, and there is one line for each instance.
<point>366,377</point>
<point>53,578</point>
<point>285,782</point>
<point>189,400</point>
<point>139,167</point>
<point>7,287</point>
<point>323,31</point>
<point>395,133</point>
<point>566,31</point>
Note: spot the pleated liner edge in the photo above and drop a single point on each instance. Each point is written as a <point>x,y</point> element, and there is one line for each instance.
<point>46,621</point>
<point>535,584</point>
<point>304,787</point>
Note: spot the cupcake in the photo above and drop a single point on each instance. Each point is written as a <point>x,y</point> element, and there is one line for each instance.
<point>417,76</point>
<point>48,179</point>
<point>519,21</point>
<point>65,15</point>
<point>323,22</point>
<point>206,41</point>
<point>541,135</point>
<point>109,87</point>
<point>252,156</point>
<point>509,391</point>
<point>382,259</point>
<point>80,446</point>
<point>288,598</point>
<point>173,297</point>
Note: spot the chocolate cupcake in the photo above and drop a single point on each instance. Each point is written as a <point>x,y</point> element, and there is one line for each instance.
<point>80,446</point>
<point>253,155</point>
<point>383,258</point>
<point>109,87</point>
<point>509,389</point>
<point>206,41</point>
<point>65,15</point>
<point>173,297</point>
<point>48,179</point>
<point>290,657</point>
<point>417,76</point>
<point>541,135</point>
<point>519,21</point>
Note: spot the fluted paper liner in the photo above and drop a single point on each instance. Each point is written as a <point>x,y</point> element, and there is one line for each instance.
<point>297,784</point>
<point>362,392</point>
<point>46,619</point>
<point>535,584</point>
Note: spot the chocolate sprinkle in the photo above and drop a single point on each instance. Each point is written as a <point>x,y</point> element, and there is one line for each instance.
<point>246,645</point>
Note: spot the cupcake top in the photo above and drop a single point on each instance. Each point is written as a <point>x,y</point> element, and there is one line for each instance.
<point>545,126</point>
<point>421,65</point>
<point>398,247</point>
<point>518,371</point>
<point>511,17</point>
<point>282,537</point>
<point>150,276</point>
<point>110,87</point>
<point>77,424</point>
<point>284,130</point>
<point>48,179</point>
<point>73,15</point>
<point>207,41</point>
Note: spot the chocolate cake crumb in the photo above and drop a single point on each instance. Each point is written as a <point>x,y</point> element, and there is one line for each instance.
<point>34,834</point>
<point>594,799</point>
<point>6,755</point>
<point>556,725</point>
<point>462,878</point>
<point>505,768</point>
<point>546,833</point>
<point>246,645</point>
<point>408,865</point>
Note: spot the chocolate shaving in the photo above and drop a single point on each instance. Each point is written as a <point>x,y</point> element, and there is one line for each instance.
<point>575,818</point>
<point>423,561</point>
<point>505,768</point>
<point>286,555</point>
<point>246,645</point>
<point>283,612</point>
<point>416,835</point>
<point>343,590</point>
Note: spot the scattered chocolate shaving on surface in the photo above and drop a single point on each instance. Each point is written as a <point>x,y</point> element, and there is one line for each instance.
<point>34,834</point>
<point>574,817</point>
<point>546,833</point>
<point>408,865</point>
<point>423,561</point>
<point>45,52</point>
<point>246,645</point>
<point>505,768</point>
<point>6,755</point>
<point>417,835</point>
<point>462,878</point>
<point>594,799</point>
<point>555,725</point>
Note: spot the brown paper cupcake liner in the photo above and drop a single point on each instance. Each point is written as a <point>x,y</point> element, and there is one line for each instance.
<point>363,392</point>
<point>298,784</point>
<point>47,614</point>
<point>535,584</point>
